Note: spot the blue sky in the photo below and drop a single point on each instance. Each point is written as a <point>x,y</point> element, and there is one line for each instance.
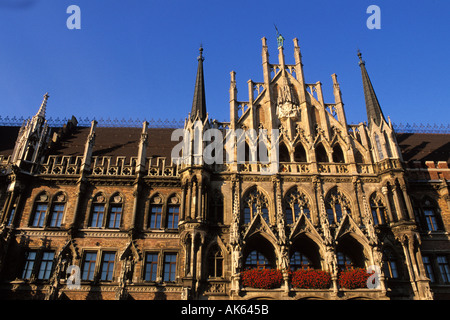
<point>137,58</point>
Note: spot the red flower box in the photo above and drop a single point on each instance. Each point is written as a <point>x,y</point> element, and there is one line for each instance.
<point>262,279</point>
<point>353,278</point>
<point>310,279</point>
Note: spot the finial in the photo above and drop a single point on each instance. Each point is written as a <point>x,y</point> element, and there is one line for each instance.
<point>361,61</point>
<point>200,57</point>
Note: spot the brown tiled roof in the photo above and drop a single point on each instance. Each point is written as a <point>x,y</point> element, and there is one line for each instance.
<point>424,146</point>
<point>114,142</point>
<point>125,142</point>
<point>73,145</point>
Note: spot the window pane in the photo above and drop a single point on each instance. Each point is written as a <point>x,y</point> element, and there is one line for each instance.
<point>172,217</point>
<point>39,215</point>
<point>155,217</point>
<point>265,214</point>
<point>170,262</point>
<point>375,217</point>
<point>428,268</point>
<point>89,266</point>
<point>444,268</point>
<point>430,217</point>
<point>107,266</point>
<point>46,265</point>
<point>289,219</point>
<point>257,260</point>
<point>299,261</point>
<point>247,217</point>
<point>97,216</point>
<point>11,215</point>
<point>57,214</point>
<point>306,212</point>
<point>338,212</point>
<point>330,215</point>
<point>29,264</point>
<point>114,217</point>
<point>151,263</point>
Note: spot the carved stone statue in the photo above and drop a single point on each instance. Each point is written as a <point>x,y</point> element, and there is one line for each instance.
<point>284,259</point>
<point>237,255</point>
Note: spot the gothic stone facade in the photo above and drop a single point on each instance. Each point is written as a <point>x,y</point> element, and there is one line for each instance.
<point>109,206</point>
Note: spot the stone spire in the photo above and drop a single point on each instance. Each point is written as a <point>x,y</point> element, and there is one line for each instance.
<point>199,103</point>
<point>42,109</point>
<point>374,113</point>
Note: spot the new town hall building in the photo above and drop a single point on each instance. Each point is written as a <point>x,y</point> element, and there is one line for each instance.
<point>108,207</point>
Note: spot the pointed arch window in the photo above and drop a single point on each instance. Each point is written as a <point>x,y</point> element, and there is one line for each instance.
<point>256,260</point>
<point>57,211</point>
<point>338,155</point>
<point>378,209</point>
<point>321,154</point>
<point>300,153</point>
<point>429,216</point>
<point>299,261</point>
<point>344,261</point>
<point>255,202</point>
<point>215,263</point>
<point>379,149</point>
<point>336,205</point>
<point>98,211</point>
<point>173,212</point>
<point>295,204</point>
<point>40,210</point>
<point>284,153</point>
<point>156,208</point>
<point>217,207</point>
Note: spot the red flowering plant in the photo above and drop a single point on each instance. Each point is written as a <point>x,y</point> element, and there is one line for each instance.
<point>262,278</point>
<point>353,278</point>
<point>310,279</point>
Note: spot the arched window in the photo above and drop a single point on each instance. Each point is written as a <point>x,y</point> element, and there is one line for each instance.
<point>350,253</point>
<point>115,212</point>
<point>427,212</point>
<point>217,207</point>
<point>299,261</point>
<point>255,203</point>
<point>390,264</point>
<point>379,149</point>
<point>338,155</point>
<point>344,261</point>
<point>40,210</point>
<point>358,156</point>
<point>431,216</point>
<point>256,260</point>
<point>295,203</point>
<point>173,212</point>
<point>336,204</point>
<point>98,211</point>
<point>300,153</point>
<point>57,210</point>
<point>321,154</point>
<point>156,206</point>
<point>284,153</point>
<point>379,213</point>
<point>215,262</point>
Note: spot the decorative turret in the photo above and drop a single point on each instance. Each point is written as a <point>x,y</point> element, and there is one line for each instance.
<point>31,140</point>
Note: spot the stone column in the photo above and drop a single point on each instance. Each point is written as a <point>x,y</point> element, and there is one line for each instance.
<point>385,191</point>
